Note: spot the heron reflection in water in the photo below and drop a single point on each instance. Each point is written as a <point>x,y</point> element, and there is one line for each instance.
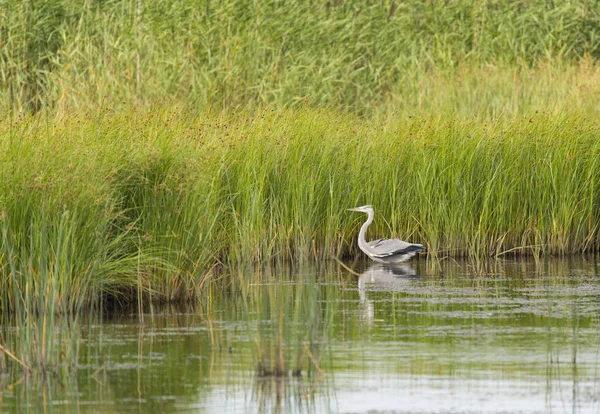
<point>384,278</point>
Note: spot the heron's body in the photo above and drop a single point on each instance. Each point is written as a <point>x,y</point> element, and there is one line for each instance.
<point>384,250</point>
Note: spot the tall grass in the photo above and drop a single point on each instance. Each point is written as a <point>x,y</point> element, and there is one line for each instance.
<point>150,201</point>
<point>471,126</point>
<point>54,261</point>
<point>365,57</point>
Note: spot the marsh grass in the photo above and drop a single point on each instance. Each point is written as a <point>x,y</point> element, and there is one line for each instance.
<point>458,55</point>
<point>149,202</point>
<point>470,126</point>
<point>46,285</point>
<point>146,205</point>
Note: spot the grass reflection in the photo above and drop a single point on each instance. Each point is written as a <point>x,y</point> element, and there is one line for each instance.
<point>297,394</point>
<point>289,314</point>
<point>525,336</point>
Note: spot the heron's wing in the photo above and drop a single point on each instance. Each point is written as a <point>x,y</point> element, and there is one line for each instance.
<point>389,247</point>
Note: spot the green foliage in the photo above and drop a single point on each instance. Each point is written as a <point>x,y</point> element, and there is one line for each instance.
<point>469,125</point>
<point>150,202</point>
<point>362,56</point>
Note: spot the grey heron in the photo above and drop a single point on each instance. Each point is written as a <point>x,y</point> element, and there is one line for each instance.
<point>384,250</point>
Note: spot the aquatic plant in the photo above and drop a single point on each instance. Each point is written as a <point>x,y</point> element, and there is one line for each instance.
<point>151,201</point>
<point>470,126</point>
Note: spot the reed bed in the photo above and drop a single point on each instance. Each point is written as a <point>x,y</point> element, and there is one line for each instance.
<point>145,144</point>
<point>492,57</point>
<point>149,202</point>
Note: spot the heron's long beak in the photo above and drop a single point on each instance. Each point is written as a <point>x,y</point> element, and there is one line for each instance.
<point>354,209</point>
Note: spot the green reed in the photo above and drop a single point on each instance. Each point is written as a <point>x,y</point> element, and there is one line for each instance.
<point>469,126</point>
<point>489,57</point>
<point>53,266</point>
<point>149,202</point>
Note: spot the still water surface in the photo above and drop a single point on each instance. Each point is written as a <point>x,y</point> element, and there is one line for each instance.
<point>521,337</point>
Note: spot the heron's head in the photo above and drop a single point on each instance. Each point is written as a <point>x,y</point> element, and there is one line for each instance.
<point>362,209</point>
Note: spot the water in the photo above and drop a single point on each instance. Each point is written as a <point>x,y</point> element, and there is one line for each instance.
<point>521,337</point>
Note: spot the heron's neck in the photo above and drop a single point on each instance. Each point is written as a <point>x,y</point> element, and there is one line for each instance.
<point>362,241</point>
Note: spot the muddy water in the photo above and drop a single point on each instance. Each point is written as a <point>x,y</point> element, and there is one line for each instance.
<point>520,337</point>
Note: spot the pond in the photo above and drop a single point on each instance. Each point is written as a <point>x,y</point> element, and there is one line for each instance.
<point>519,337</point>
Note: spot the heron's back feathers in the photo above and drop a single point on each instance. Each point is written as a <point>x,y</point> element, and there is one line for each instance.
<point>392,247</point>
